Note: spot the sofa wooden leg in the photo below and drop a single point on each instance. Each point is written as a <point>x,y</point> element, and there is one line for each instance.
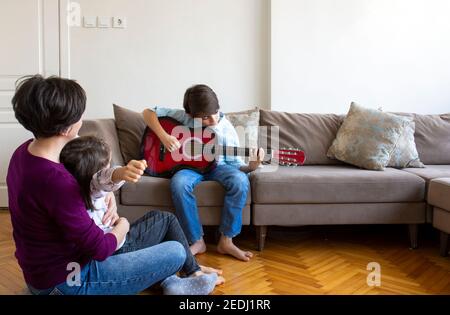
<point>413,234</point>
<point>261,232</point>
<point>444,244</point>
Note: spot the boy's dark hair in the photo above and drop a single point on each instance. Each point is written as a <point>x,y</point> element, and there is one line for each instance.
<point>200,100</point>
<point>47,107</point>
<point>83,157</point>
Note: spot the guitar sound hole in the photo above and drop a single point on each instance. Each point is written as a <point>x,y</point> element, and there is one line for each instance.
<point>193,149</point>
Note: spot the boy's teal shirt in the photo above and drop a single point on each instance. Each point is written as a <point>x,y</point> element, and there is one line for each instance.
<point>225,133</point>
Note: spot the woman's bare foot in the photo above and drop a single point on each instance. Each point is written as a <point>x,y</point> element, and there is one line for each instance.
<point>198,247</point>
<point>220,280</point>
<point>226,246</point>
<point>205,269</point>
<point>208,270</point>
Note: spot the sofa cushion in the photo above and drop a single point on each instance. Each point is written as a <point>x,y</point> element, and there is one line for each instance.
<point>368,137</point>
<point>439,193</point>
<point>130,130</point>
<point>405,153</point>
<point>155,191</point>
<point>430,171</point>
<point>104,129</point>
<point>312,132</point>
<point>335,184</point>
<point>433,138</point>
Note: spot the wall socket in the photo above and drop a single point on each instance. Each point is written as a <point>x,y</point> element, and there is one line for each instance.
<point>119,22</point>
<point>104,22</point>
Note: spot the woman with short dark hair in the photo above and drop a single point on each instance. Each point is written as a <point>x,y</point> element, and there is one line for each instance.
<point>59,248</point>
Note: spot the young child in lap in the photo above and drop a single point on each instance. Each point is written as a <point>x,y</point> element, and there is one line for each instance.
<point>88,159</point>
<point>201,105</point>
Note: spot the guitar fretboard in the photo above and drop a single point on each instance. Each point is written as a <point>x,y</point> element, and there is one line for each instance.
<point>229,151</point>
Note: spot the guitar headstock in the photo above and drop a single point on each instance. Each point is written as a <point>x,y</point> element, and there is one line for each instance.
<point>289,156</point>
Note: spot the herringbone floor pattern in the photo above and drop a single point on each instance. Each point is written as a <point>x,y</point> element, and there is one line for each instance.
<point>305,260</point>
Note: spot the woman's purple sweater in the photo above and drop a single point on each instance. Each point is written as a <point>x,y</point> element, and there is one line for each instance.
<point>51,226</point>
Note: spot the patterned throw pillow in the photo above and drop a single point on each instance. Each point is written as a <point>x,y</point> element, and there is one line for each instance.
<point>405,153</point>
<point>367,137</point>
<point>246,124</point>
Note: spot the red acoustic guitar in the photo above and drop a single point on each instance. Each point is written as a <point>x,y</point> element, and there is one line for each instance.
<point>198,150</point>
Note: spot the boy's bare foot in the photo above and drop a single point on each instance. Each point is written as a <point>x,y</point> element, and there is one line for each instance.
<point>226,246</point>
<point>198,247</point>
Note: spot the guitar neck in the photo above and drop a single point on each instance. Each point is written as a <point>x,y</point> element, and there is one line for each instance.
<point>232,151</point>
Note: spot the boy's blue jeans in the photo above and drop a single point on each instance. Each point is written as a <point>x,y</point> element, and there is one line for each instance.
<point>236,185</point>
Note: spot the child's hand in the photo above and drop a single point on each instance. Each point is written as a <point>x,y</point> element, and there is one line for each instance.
<point>170,142</point>
<point>132,172</point>
<point>256,158</point>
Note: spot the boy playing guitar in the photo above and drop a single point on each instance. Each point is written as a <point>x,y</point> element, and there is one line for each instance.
<point>201,108</point>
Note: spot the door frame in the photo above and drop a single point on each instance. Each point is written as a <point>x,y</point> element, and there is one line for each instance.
<point>53,34</point>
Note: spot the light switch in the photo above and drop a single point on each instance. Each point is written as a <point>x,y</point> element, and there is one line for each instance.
<point>103,22</point>
<point>89,21</point>
<point>119,22</point>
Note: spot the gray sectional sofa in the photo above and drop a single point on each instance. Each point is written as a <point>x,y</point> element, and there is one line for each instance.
<point>322,192</point>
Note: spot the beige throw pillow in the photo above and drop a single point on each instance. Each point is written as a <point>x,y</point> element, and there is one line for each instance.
<point>246,124</point>
<point>405,153</point>
<point>367,137</point>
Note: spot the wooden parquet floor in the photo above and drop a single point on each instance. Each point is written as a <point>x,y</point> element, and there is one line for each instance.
<point>305,260</point>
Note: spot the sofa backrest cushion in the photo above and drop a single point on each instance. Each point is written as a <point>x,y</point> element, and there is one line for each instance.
<point>130,130</point>
<point>312,132</point>
<point>433,138</point>
<point>104,129</point>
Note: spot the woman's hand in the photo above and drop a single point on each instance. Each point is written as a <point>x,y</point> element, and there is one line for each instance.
<point>120,230</point>
<point>111,213</point>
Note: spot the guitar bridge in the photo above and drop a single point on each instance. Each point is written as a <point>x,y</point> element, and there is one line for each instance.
<point>162,152</point>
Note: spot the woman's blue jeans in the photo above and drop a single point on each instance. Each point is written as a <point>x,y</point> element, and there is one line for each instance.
<point>156,248</point>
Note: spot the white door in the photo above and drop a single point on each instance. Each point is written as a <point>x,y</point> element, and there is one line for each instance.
<point>29,44</point>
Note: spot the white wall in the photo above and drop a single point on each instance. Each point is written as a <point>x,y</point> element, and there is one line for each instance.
<point>168,46</point>
<point>389,53</point>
